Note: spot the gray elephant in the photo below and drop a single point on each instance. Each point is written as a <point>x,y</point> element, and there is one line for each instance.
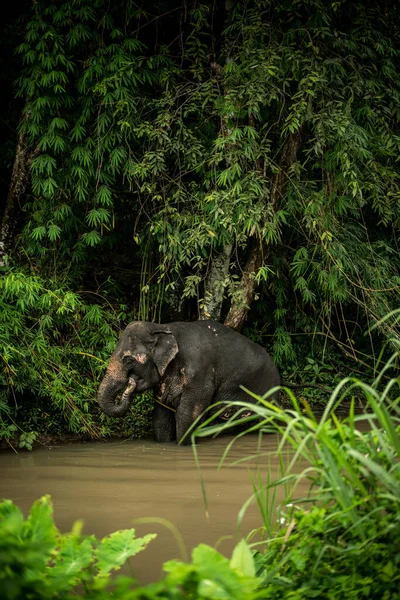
<point>190,366</point>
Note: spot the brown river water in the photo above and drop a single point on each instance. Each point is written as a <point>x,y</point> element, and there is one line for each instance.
<point>110,485</point>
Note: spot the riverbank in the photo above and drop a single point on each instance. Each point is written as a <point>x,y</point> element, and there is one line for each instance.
<point>60,439</point>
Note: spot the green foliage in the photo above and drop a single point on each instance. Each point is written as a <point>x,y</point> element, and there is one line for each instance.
<point>158,138</point>
<point>54,350</point>
<point>347,543</point>
<point>26,439</point>
<point>9,430</point>
<point>342,539</point>
<point>210,576</point>
<point>6,429</point>
<point>36,561</point>
<point>142,140</point>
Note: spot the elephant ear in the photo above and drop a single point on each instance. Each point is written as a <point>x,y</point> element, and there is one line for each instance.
<point>165,350</point>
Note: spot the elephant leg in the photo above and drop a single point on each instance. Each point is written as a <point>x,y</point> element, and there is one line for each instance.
<point>187,412</point>
<point>164,426</point>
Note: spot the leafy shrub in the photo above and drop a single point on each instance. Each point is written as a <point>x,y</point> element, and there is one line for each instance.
<point>53,350</point>
<point>26,440</point>
<point>36,561</point>
<point>320,555</point>
<point>343,538</point>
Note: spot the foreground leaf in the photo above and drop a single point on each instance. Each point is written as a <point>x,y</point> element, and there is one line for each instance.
<point>242,560</point>
<point>116,548</point>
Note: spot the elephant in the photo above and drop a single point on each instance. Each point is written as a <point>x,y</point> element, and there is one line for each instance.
<point>190,365</point>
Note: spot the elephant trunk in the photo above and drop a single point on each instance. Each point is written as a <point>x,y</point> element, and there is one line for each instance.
<point>108,391</point>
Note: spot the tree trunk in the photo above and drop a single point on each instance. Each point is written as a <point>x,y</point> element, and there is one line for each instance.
<point>215,281</point>
<point>214,284</point>
<point>19,180</point>
<point>259,254</point>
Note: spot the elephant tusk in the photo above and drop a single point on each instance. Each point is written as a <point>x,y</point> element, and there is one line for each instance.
<point>129,390</point>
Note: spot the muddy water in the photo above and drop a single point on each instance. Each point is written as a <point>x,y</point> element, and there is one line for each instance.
<point>109,485</point>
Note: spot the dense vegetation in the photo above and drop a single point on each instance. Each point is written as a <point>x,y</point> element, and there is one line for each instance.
<point>235,160</point>
<point>343,540</point>
<point>176,161</point>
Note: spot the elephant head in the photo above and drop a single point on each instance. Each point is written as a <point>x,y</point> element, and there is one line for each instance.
<point>139,361</point>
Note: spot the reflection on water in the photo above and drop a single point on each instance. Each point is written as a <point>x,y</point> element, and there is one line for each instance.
<point>109,485</point>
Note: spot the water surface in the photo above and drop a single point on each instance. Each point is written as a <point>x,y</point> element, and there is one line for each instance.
<point>109,485</point>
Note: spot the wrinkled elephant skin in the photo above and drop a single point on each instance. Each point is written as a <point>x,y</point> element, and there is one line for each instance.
<point>190,366</point>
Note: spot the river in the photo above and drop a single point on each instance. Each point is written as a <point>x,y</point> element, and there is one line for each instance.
<point>111,484</point>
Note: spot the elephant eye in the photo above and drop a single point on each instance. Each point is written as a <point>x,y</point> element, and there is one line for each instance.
<point>127,359</point>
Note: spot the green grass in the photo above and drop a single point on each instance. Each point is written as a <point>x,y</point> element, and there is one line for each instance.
<point>342,539</point>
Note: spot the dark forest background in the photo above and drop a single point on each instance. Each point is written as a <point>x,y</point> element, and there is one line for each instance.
<point>233,160</point>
